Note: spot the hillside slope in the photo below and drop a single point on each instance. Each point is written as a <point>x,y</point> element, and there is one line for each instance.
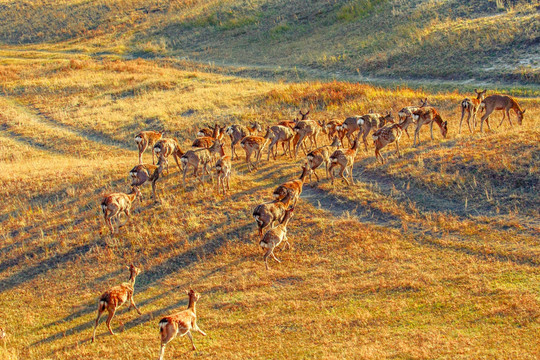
<point>480,39</point>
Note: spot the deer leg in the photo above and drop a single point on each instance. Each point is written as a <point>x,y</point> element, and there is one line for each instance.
<point>461,121</point>
<point>185,171</point>
<point>468,123</point>
<point>100,311</point>
<point>332,165</point>
<point>508,115</point>
<point>364,138</point>
<point>265,257</point>
<point>342,174</point>
<point>166,336</point>
<point>431,128</point>
<point>417,135</point>
<point>274,256</point>
<point>397,149</point>
<point>132,303</point>
<point>109,318</point>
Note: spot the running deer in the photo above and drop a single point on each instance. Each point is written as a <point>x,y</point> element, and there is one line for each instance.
<point>113,298</point>
<point>140,174</point>
<point>269,213</point>
<point>238,132</point>
<point>293,187</point>
<point>428,115</point>
<point>114,204</point>
<point>405,115</point>
<point>372,121</point>
<point>273,237</point>
<point>385,136</point>
<point>253,144</point>
<point>167,147</point>
<point>180,323</point>
<point>280,134</point>
<point>200,158</point>
<point>223,170</point>
<point>145,139</point>
<point>306,129</point>
<point>207,141</point>
<point>472,107</point>
<point>504,103</point>
<point>344,158</point>
<point>322,155</point>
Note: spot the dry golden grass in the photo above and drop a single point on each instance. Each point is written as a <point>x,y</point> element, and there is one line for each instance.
<point>434,255</point>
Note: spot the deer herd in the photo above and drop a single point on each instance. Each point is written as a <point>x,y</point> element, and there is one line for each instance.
<point>207,156</point>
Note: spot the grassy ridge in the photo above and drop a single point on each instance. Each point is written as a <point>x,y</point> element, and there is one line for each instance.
<point>434,255</point>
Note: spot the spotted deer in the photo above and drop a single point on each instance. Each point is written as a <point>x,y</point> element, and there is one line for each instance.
<point>385,136</point>
<point>330,128</point>
<point>280,134</point>
<point>140,174</point>
<point>199,158</point>
<point>207,141</point>
<point>292,187</point>
<point>166,148</point>
<point>428,115</point>
<point>238,132</point>
<point>309,129</point>
<point>274,236</point>
<point>503,103</point>
<point>405,115</point>
<point>253,144</point>
<point>344,158</point>
<point>180,323</point>
<point>144,139</point>
<point>115,297</point>
<point>269,213</point>
<point>114,204</point>
<point>322,155</point>
<point>472,107</point>
<point>372,122</point>
<point>223,170</point>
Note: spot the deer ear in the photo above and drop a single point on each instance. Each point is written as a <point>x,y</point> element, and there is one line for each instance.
<point>523,112</point>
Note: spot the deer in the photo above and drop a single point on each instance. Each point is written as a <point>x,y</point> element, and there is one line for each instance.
<point>207,141</point>
<point>223,170</point>
<point>428,115</point>
<point>267,214</point>
<point>472,106</point>
<point>180,323</point>
<point>238,132</point>
<point>274,236</point>
<point>344,158</point>
<point>142,173</point>
<point>252,144</point>
<point>293,187</point>
<point>279,134</point>
<point>385,136</point>
<point>306,129</point>
<point>145,139</point>
<point>504,103</point>
<point>200,157</point>
<point>114,204</point>
<point>322,155</point>
<point>330,128</point>
<point>166,147</point>
<point>405,115</point>
<point>115,297</point>
<point>372,121</point>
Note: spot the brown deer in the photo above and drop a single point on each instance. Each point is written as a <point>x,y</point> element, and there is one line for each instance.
<point>405,115</point>
<point>140,174</point>
<point>167,147</point>
<point>504,103</point>
<point>253,144</point>
<point>293,187</point>
<point>280,134</point>
<point>200,158</point>
<point>472,107</point>
<point>306,129</point>
<point>344,158</point>
<point>223,170</point>
<point>273,237</point>
<point>180,323</point>
<point>207,141</point>
<point>385,136</point>
<point>238,132</point>
<point>114,204</point>
<point>270,213</point>
<point>331,128</point>
<point>349,127</point>
<point>113,298</point>
<point>372,121</point>
<point>428,115</point>
<point>145,139</point>
<point>322,155</point>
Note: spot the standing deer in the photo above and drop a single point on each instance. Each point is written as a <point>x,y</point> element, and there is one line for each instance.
<point>180,323</point>
<point>472,106</point>
<point>385,136</point>
<point>207,141</point>
<point>322,155</point>
<point>238,132</point>
<point>406,115</point>
<point>113,298</point>
<point>306,129</point>
<point>145,139</point>
<point>330,128</point>
<point>114,204</point>
<point>270,213</point>
<point>166,147</point>
<point>199,157</point>
<point>280,134</point>
<point>273,237</point>
<point>253,144</point>
<point>140,174</point>
<point>504,103</point>
<point>372,121</point>
<point>428,115</point>
<point>223,170</point>
<point>345,160</point>
<point>292,187</point>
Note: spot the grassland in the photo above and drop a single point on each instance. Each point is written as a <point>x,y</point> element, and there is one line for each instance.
<point>434,255</point>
